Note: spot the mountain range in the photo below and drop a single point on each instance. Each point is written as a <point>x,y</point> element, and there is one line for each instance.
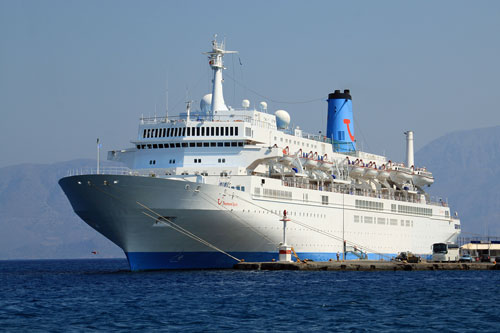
<point>37,221</point>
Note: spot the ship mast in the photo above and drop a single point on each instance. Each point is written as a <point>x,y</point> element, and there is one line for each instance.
<point>215,61</point>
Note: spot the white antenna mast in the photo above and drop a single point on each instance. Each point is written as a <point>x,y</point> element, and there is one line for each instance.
<point>166,100</point>
<point>215,61</point>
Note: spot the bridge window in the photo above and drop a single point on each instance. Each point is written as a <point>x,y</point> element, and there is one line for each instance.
<point>197,131</point>
<point>227,131</point>
<point>236,131</point>
<point>189,131</point>
<point>232,131</point>
<point>203,131</point>
<point>184,131</point>
<point>144,134</point>
<point>191,144</point>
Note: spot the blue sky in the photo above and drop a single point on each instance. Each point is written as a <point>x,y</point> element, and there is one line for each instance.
<point>72,71</point>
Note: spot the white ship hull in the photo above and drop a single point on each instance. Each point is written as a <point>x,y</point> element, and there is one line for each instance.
<point>239,223</point>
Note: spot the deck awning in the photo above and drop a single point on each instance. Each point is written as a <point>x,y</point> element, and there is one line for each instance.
<point>481,246</point>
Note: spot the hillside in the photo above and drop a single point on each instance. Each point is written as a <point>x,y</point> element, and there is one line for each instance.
<point>37,220</point>
<point>466,167</point>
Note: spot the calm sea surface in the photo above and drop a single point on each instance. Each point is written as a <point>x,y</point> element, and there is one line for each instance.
<point>82,295</point>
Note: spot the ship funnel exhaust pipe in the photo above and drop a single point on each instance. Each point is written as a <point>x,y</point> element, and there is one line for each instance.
<point>409,149</point>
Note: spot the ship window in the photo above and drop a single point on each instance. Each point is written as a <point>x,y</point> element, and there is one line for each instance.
<point>164,131</point>
<point>195,160</point>
<point>212,131</point>
<point>223,160</point>
<point>198,144</point>
<point>213,144</point>
<point>191,144</point>
<point>220,144</point>
<point>234,144</point>
<point>240,144</point>
<point>143,146</point>
<point>149,146</point>
<point>177,145</point>
<point>324,200</point>
<point>184,131</point>
<point>172,145</point>
<point>189,131</point>
<point>184,144</point>
<point>206,144</point>
<point>236,131</point>
<point>227,131</point>
<point>149,133</point>
<point>197,131</point>
<point>217,131</point>
<point>232,130</point>
<point>156,133</point>
<point>203,131</point>
<point>144,134</point>
<point>219,160</point>
<point>168,132</point>
<point>160,145</point>
<point>402,223</point>
<point>155,146</point>
<point>243,188</point>
<point>138,146</point>
<point>356,218</point>
<point>227,144</point>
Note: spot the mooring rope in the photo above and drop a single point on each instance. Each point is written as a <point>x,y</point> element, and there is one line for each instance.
<point>174,226</point>
<point>323,232</point>
<point>184,231</point>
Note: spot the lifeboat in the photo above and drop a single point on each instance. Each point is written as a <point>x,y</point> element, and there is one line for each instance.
<point>383,174</point>
<point>400,174</point>
<point>422,177</point>
<point>371,171</point>
<point>311,161</point>
<point>324,164</point>
<point>357,169</point>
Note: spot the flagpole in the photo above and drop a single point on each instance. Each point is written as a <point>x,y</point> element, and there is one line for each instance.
<point>98,156</point>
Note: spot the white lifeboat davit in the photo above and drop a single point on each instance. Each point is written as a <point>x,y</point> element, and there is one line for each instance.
<point>287,159</point>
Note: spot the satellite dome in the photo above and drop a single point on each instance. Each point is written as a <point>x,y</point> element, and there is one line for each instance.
<point>282,119</point>
<point>206,103</point>
<point>263,105</point>
<point>245,103</point>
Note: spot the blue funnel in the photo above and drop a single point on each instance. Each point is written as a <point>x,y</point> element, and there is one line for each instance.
<point>340,125</point>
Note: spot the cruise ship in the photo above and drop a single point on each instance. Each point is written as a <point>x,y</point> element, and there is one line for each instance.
<point>211,187</point>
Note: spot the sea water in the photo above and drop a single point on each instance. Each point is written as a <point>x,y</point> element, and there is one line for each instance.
<point>86,295</point>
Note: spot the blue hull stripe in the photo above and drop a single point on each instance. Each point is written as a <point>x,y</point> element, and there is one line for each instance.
<point>140,261</point>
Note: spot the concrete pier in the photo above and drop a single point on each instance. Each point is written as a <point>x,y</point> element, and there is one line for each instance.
<point>364,265</point>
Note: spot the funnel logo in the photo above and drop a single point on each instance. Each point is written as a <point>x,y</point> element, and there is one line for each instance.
<point>347,122</point>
